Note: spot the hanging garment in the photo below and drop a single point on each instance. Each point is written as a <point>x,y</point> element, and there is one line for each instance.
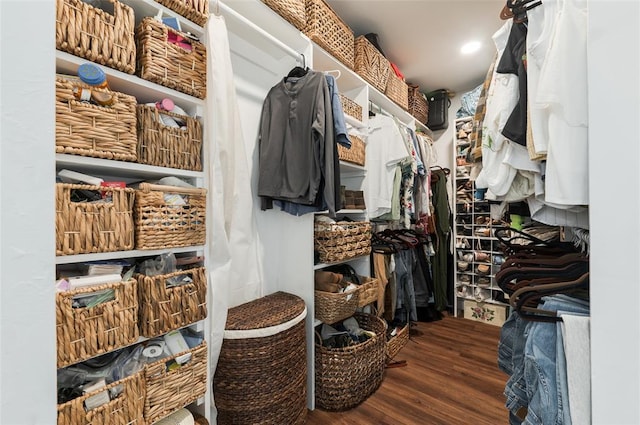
<point>340,137</point>
<point>235,273</point>
<point>563,89</point>
<point>541,26</point>
<point>296,143</point>
<point>384,150</point>
<point>443,228</point>
<point>502,98</point>
<point>575,338</point>
<point>513,61</point>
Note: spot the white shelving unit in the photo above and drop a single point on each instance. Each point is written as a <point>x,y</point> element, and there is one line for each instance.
<point>264,48</point>
<point>144,91</point>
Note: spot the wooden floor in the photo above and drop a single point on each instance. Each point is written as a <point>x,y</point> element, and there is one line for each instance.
<point>451,378</point>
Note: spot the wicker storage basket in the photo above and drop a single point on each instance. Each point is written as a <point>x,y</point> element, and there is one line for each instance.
<point>397,91</point>
<point>326,28</point>
<point>368,291</point>
<point>86,129</point>
<point>82,333</point>
<point>345,377</point>
<point>158,224</point>
<point>261,377</point>
<point>342,240</point>
<point>168,64</point>
<point>84,227</point>
<point>370,64</point>
<point>163,308</point>
<point>169,390</point>
<point>333,307</point>
<point>125,409</point>
<point>350,107</point>
<point>194,10</point>
<point>397,342</point>
<point>418,105</point>
<point>166,146</point>
<point>93,34</point>
<point>291,10</point>
<point>355,154</point>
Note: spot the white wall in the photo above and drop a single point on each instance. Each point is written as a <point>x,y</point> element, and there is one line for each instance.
<point>614,155</point>
<point>27,248</point>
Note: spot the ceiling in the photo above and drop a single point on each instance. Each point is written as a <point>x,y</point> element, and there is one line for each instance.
<point>423,37</point>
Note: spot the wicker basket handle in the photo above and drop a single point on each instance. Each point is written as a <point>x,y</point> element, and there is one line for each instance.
<point>148,187</point>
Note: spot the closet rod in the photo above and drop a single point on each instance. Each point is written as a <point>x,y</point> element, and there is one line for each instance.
<point>291,52</point>
<point>375,108</point>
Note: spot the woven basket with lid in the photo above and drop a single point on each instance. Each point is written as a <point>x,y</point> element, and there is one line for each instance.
<point>261,375</point>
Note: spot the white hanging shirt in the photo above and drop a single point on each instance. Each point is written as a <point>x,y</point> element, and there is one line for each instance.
<point>563,89</point>
<point>502,97</point>
<point>541,27</point>
<point>385,149</point>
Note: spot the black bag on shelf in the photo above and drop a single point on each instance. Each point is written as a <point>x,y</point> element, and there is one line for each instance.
<point>439,103</point>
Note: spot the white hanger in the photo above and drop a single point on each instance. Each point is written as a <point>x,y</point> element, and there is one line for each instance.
<point>334,70</point>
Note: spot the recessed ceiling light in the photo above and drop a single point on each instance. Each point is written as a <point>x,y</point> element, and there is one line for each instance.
<point>470,47</point>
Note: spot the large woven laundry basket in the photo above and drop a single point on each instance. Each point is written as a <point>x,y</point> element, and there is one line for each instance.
<point>345,377</point>
<point>261,376</point>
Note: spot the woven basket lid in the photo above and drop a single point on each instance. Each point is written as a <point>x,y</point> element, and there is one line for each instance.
<point>265,312</point>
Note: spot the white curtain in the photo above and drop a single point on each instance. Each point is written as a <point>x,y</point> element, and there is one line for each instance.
<point>236,274</point>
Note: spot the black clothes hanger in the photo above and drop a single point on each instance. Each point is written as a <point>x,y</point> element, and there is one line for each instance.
<point>505,277</point>
<point>523,298</point>
<point>519,9</point>
<point>536,245</point>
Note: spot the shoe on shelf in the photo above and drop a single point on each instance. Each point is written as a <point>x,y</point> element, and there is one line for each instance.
<point>480,256</point>
<point>463,265</point>
<point>483,269</point>
<point>468,257</point>
<point>483,282</point>
<point>481,294</point>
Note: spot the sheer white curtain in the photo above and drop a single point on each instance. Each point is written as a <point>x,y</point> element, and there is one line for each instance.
<point>236,274</point>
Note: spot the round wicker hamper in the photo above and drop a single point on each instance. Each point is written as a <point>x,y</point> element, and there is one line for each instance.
<point>261,376</point>
<point>345,377</point>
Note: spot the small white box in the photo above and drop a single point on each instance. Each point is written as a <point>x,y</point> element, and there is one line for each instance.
<point>492,314</point>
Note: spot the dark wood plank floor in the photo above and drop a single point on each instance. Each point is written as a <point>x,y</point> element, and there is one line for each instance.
<point>451,378</point>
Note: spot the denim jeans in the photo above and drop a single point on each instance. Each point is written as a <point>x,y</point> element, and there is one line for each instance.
<point>516,388</point>
<point>545,377</point>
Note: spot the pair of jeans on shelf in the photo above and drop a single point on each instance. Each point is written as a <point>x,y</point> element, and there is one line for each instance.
<point>545,372</point>
<point>532,354</point>
<point>513,337</point>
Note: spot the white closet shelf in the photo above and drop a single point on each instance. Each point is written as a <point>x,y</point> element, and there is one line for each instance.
<point>80,258</point>
<point>144,8</point>
<point>325,61</point>
<point>143,90</point>
<point>488,301</point>
<point>120,168</point>
<point>323,265</point>
<point>349,167</point>
<point>198,324</point>
<point>380,99</point>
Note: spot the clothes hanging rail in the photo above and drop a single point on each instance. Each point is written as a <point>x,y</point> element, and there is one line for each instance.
<point>377,109</point>
<point>229,12</point>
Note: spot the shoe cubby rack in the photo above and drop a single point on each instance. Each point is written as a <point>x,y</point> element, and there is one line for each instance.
<point>477,251</point>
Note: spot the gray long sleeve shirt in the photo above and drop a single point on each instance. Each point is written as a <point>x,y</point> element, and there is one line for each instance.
<point>296,142</point>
